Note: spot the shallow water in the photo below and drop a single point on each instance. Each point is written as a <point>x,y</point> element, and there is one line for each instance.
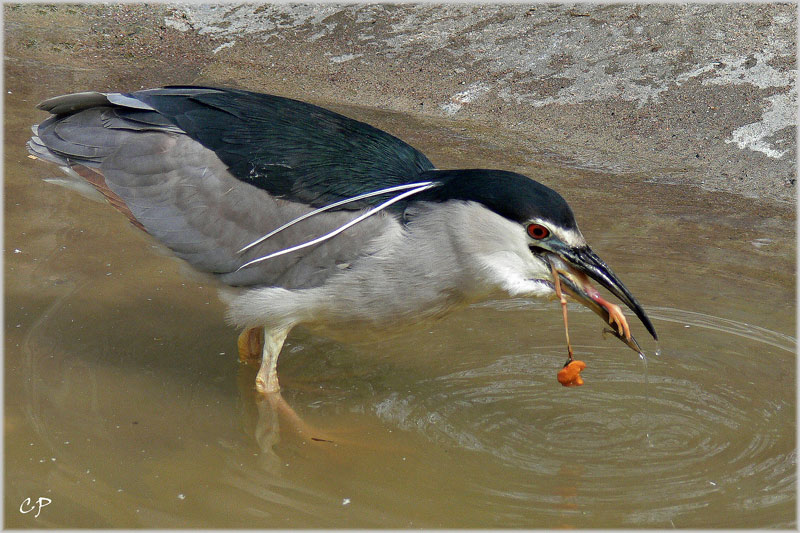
<point>126,407</point>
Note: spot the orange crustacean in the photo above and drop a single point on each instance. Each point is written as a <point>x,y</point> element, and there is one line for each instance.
<point>570,375</point>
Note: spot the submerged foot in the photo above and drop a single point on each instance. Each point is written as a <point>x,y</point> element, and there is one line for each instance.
<point>267,384</point>
<point>250,344</point>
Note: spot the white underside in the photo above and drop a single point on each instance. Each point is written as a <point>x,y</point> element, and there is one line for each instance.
<point>448,256</point>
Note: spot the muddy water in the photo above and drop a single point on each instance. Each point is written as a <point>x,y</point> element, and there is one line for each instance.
<point>125,405</point>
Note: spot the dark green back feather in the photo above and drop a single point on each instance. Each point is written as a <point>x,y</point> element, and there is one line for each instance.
<point>289,148</point>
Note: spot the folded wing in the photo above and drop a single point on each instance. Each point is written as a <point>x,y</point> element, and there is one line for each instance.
<point>247,165</point>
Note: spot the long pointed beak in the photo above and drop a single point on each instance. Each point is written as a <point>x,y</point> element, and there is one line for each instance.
<point>574,264</point>
<point>585,260</point>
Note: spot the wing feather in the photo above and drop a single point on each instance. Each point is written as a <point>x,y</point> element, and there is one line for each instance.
<point>209,171</point>
<point>290,148</point>
<point>185,197</point>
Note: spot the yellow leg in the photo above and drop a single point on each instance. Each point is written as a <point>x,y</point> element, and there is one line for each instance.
<point>267,377</point>
<point>250,343</point>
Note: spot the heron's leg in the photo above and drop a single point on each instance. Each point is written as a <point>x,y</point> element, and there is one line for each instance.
<point>250,343</point>
<point>267,377</point>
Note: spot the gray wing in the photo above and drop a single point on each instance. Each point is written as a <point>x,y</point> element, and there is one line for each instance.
<point>182,194</point>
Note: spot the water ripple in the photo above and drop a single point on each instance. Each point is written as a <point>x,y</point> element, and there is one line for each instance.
<point>733,327</point>
<point>674,444</point>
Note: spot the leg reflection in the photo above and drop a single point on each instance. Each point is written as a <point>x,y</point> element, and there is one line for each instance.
<point>277,423</point>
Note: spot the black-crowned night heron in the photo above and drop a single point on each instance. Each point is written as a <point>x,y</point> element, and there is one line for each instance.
<point>315,218</point>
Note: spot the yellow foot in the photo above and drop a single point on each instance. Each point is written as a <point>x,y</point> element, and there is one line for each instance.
<point>267,385</point>
<point>279,406</point>
<point>250,343</point>
<point>273,408</point>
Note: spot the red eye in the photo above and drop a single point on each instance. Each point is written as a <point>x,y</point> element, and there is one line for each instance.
<point>538,232</point>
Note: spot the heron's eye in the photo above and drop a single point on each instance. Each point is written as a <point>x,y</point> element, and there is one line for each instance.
<point>538,232</point>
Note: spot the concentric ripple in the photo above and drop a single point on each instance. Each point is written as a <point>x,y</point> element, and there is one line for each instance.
<point>654,444</point>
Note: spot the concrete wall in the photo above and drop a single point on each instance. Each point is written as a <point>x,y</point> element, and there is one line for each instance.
<point>701,94</point>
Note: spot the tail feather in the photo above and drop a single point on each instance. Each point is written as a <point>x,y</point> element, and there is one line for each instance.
<point>72,103</point>
<point>38,150</point>
<point>84,129</point>
<point>81,137</point>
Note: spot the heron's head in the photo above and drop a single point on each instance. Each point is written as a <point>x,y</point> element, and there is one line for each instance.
<point>542,217</point>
